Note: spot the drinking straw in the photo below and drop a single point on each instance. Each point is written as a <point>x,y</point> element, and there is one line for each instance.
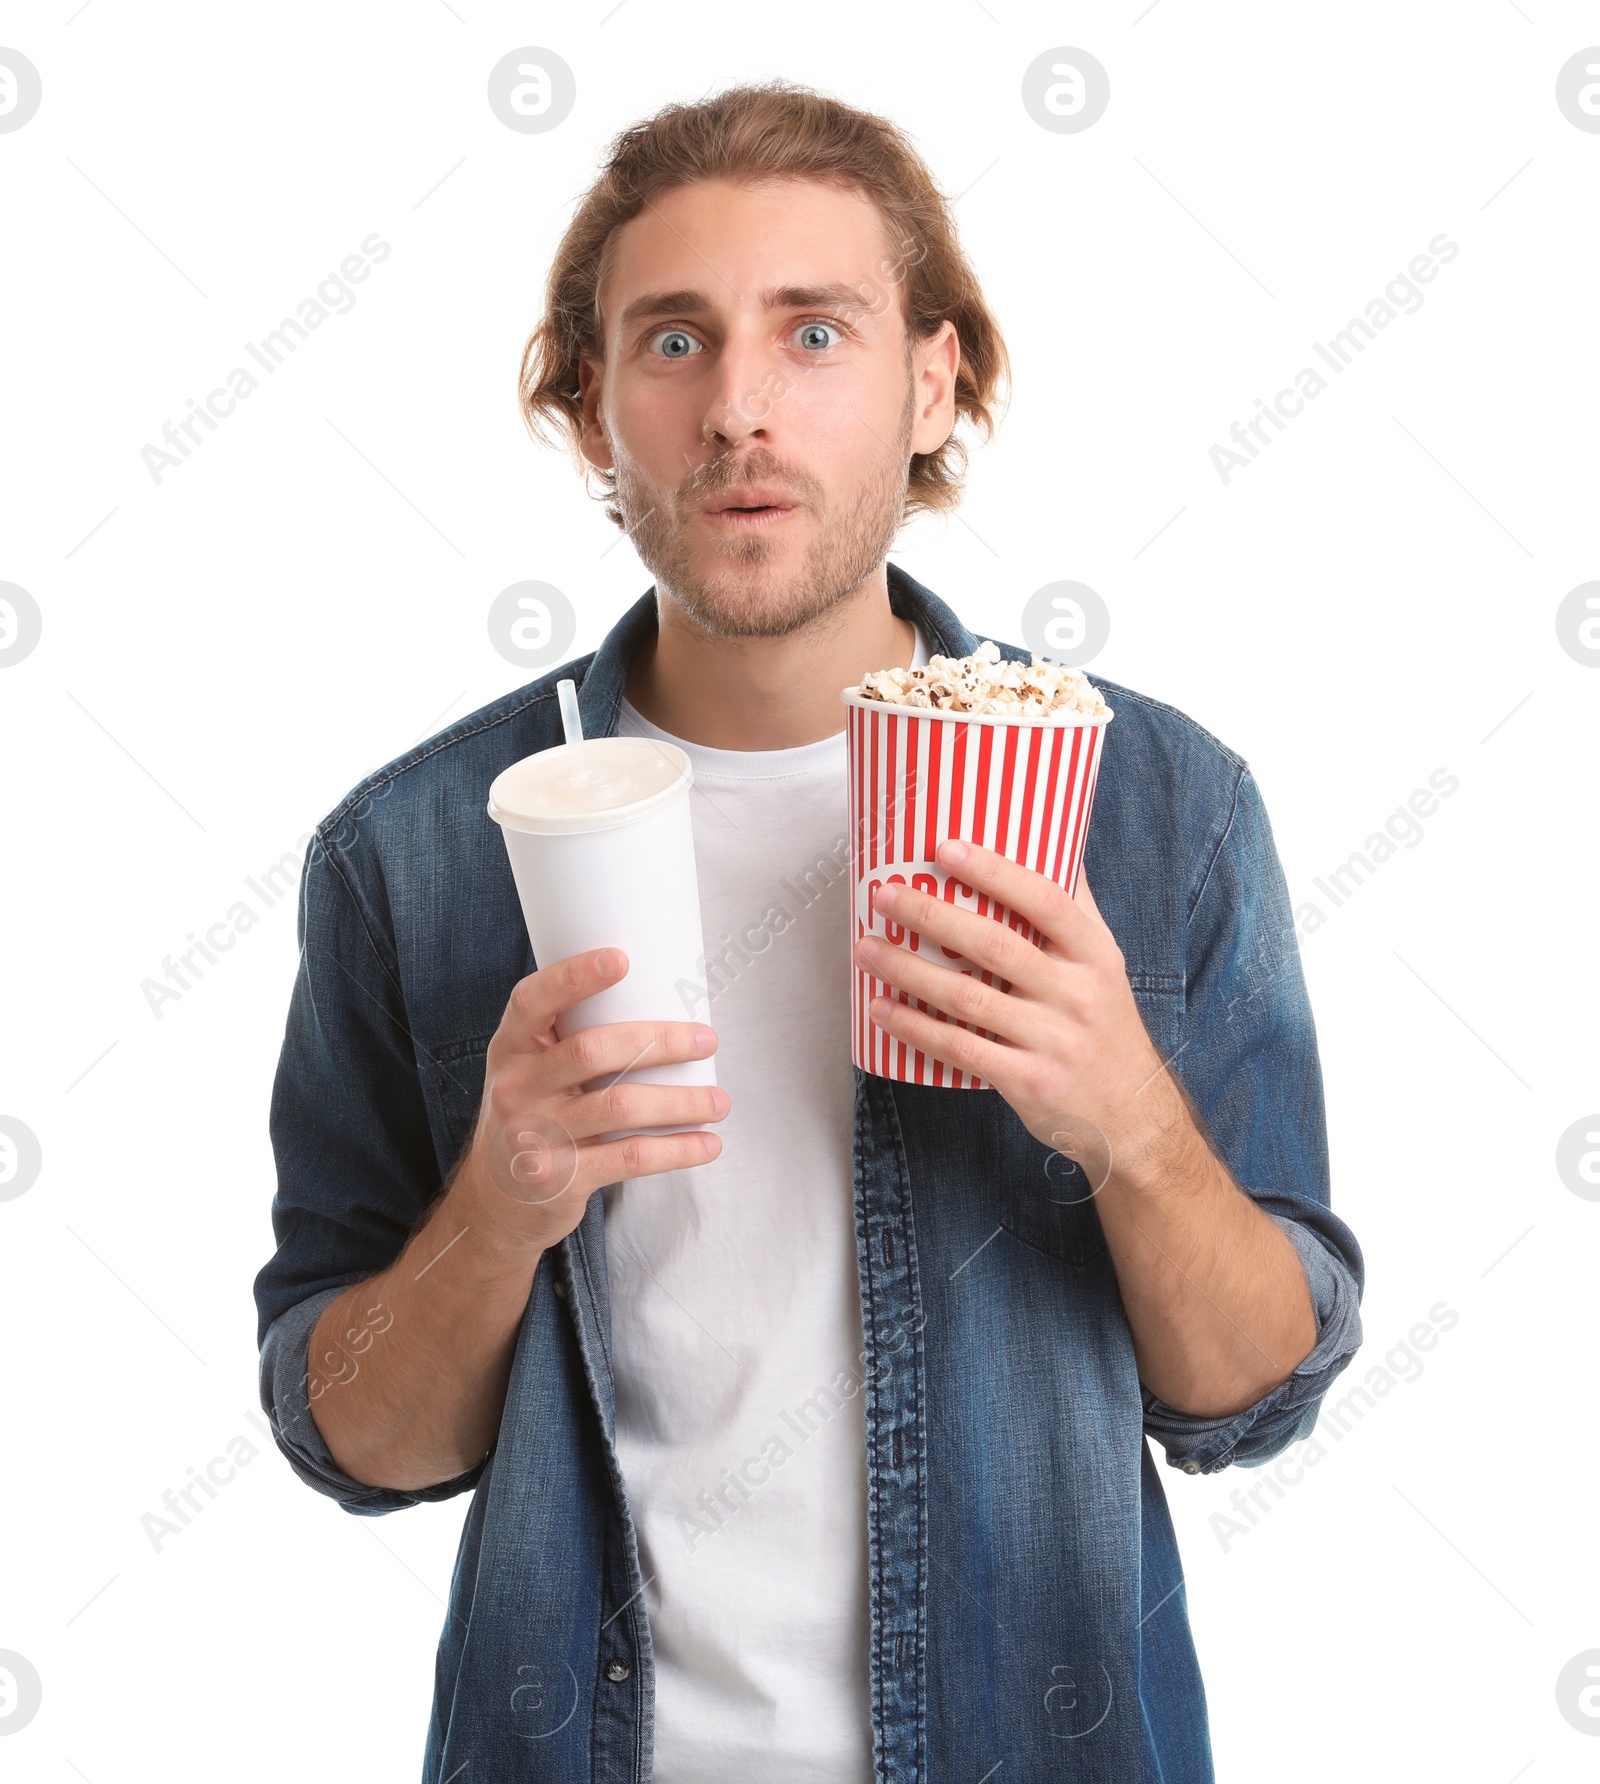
<point>571,723</point>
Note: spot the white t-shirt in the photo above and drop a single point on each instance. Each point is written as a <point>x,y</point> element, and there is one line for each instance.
<point>736,1321</point>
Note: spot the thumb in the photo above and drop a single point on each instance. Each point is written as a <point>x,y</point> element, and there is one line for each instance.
<point>1084,896</point>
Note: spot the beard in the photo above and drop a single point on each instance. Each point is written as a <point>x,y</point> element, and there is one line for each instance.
<point>751,597</point>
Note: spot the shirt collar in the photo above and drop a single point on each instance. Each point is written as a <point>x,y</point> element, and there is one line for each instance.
<point>600,696</point>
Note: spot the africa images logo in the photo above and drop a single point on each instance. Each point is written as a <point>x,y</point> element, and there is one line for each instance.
<point>1402,296</point>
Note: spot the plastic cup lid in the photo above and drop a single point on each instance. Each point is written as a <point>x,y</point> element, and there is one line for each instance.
<point>623,778</point>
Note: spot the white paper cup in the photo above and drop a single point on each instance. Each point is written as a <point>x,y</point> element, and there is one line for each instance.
<point>1022,787</point>
<point>608,862</point>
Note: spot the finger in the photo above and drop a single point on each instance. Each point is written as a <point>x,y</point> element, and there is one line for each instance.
<point>537,1000</point>
<point>944,1040</point>
<point>630,1104</point>
<point>1035,895</point>
<point>980,936</point>
<point>612,1047</point>
<point>1085,897</point>
<point>646,1155</point>
<point>963,996</point>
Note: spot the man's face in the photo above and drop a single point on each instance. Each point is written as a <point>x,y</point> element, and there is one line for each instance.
<point>756,354</point>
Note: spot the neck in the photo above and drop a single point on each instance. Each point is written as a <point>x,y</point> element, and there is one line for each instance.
<point>765,693</point>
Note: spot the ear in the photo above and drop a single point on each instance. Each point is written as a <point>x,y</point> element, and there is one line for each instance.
<point>592,443</point>
<point>935,364</point>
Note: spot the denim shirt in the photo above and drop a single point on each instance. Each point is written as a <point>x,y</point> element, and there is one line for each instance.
<point>1026,1596</point>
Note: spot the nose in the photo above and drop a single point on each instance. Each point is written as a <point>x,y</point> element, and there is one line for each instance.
<point>739,402</point>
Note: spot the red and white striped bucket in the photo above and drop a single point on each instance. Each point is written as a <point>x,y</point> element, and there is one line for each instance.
<point>1022,787</point>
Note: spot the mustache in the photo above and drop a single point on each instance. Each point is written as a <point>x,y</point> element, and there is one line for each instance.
<point>724,474</point>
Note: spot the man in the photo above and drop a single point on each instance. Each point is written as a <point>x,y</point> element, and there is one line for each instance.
<point>811,1448</point>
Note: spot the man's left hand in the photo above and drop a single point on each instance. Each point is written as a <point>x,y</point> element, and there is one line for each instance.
<point>1214,1293</point>
<point>1071,1042</point>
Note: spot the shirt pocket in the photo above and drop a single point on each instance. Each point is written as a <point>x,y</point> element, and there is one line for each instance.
<point>1048,1203</point>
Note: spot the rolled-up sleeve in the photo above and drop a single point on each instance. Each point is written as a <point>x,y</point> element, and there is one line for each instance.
<point>1249,1062</point>
<point>356,1166</point>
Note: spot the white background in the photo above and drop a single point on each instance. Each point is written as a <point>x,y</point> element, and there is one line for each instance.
<point>225,653</point>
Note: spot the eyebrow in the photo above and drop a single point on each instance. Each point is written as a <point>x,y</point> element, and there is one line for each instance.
<point>834,295</point>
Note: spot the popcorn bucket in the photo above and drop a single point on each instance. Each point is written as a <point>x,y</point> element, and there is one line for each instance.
<point>1020,786</point>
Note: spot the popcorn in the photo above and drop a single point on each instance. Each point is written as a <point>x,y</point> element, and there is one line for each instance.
<point>986,685</point>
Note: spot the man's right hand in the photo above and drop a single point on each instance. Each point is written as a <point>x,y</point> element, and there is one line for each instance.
<point>421,1399</point>
<point>535,1157</point>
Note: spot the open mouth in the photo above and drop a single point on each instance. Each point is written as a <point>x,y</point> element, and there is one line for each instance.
<point>766,514</point>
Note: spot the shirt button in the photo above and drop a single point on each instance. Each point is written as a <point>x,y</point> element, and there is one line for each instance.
<point>560,1289</point>
<point>617,1671</point>
<point>1191,1466</point>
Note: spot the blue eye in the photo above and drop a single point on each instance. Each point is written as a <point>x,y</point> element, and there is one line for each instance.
<point>810,327</point>
<point>678,343</point>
